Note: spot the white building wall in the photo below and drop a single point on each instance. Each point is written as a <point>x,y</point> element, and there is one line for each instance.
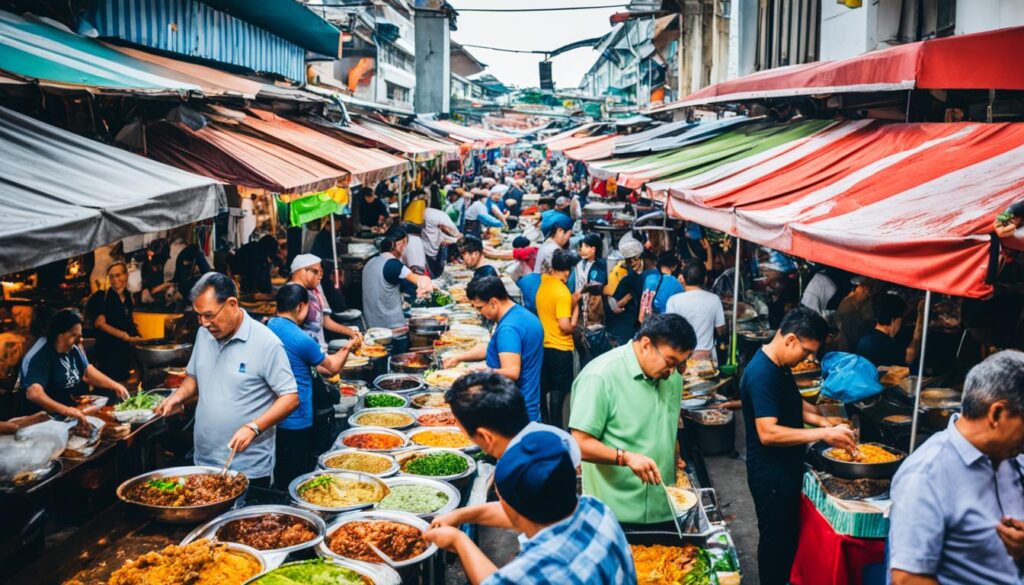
<point>846,32</point>
<point>981,15</point>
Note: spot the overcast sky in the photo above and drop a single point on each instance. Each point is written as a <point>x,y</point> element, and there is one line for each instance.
<point>533,31</point>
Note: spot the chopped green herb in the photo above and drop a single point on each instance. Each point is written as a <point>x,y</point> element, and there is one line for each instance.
<point>383,401</point>
<point>437,464</point>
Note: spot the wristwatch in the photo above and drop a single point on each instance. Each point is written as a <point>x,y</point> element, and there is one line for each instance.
<point>254,428</point>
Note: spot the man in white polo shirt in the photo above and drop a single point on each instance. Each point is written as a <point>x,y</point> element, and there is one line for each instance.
<point>240,373</point>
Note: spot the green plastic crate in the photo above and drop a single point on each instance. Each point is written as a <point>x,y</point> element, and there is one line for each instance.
<point>849,522</point>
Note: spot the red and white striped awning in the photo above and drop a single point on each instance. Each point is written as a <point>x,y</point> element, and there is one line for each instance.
<point>911,204</point>
<point>987,60</point>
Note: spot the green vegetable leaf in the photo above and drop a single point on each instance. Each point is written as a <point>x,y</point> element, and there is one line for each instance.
<point>164,485</point>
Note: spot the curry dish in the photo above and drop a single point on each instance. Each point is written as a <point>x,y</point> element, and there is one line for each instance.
<point>199,563</point>
<point>449,439</point>
<point>867,454</point>
<point>663,565</point>
<point>329,491</point>
<point>373,441</point>
<point>364,462</point>
<point>190,490</point>
<point>267,531</point>
<point>399,541</point>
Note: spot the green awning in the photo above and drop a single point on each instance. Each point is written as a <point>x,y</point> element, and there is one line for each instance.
<point>288,19</point>
<point>730,146</point>
<point>33,50</point>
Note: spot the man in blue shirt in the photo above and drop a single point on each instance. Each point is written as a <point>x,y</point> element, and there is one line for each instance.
<point>659,288</point>
<point>957,506</point>
<point>528,286</point>
<point>774,416</point>
<point>569,539</point>
<point>294,450</point>
<point>516,348</point>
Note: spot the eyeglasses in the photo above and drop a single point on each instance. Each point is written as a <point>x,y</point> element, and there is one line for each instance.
<point>807,351</point>
<point>668,364</point>
<point>209,317</point>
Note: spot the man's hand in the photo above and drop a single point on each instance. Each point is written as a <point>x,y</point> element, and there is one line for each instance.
<point>841,437</point>
<point>356,339</point>
<point>445,537</point>
<point>166,408</point>
<point>450,520</point>
<point>576,296</point>
<point>78,415</point>
<point>643,467</point>
<point>121,391</point>
<point>242,439</point>
<point>452,361</point>
<point>1011,532</point>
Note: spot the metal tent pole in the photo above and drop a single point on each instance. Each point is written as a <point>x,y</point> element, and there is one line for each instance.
<point>920,367</point>
<point>735,302</point>
<point>334,252</point>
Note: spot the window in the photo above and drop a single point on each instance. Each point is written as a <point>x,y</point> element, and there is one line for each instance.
<point>395,57</point>
<point>397,93</point>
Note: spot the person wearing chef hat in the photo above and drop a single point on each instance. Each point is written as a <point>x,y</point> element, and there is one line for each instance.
<point>623,306</point>
<point>308,271</point>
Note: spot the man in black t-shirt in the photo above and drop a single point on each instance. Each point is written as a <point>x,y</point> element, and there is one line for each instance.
<point>473,257</point>
<point>373,211</point>
<point>774,416</point>
<point>878,345</point>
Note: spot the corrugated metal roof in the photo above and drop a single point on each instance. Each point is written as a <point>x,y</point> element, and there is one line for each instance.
<point>192,28</point>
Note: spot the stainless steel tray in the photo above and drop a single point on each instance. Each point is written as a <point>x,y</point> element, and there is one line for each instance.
<point>272,557</point>
<point>324,551</point>
<point>454,497</point>
<point>293,490</point>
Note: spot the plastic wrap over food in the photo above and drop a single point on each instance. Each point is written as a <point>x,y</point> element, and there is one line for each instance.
<point>32,448</point>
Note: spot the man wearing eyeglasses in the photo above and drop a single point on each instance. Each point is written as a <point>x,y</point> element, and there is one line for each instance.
<point>241,375</point>
<point>625,417</point>
<point>774,416</point>
<point>308,272</point>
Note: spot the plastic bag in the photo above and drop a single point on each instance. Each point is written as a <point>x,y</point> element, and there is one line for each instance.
<point>848,377</point>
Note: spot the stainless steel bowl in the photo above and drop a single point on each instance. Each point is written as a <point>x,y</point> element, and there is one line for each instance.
<point>416,432</point>
<point>322,461</point>
<point>400,363</point>
<point>339,443</point>
<point>293,490</point>
<point>402,458</point>
<point>454,497</point>
<point>353,419</point>
<point>405,399</point>
<point>414,382</point>
<point>155,353</point>
<point>420,412</point>
<point>413,397</point>
<point>377,574</point>
<point>180,514</point>
<point>273,557</point>
<point>323,550</point>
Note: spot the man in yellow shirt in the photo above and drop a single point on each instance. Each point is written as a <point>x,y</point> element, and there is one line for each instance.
<point>558,311</point>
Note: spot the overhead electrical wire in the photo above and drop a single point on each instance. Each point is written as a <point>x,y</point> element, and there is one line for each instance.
<point>550,9</point>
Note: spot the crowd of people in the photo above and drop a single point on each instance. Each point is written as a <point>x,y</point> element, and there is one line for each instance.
<point>582,376</point>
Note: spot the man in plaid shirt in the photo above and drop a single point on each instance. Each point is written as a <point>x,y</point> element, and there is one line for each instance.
<point>570,539</point>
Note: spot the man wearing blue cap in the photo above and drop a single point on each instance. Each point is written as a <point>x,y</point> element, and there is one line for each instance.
<point>557,229</point>
<point>570,539</point>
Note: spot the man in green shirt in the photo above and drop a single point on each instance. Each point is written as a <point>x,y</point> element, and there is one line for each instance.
<point>625,416</point>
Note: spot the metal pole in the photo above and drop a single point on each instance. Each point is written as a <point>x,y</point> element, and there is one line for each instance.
<point>334,253</point>
<point>735,302</point>
<point>920,367</point>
